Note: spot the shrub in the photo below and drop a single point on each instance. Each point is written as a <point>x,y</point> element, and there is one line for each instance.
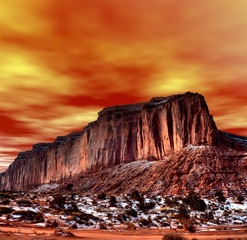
<point>121,217</point>
<point>54,224</point>
<point>189,226</point>
<point>183,213</point>
<point>198,205</point>
<point>135,195</point>
<point>131,212</point>
<point>72,208</point>
<point>171,202</point>
<point>5,201</point>
<point>6,210</point>
<point>101,196</point>
<point>131,226</point>
<point>24,202</point>
<point>102,226</point>
<point>74,226</point>
<point>86,217</point>
<point>58,202</point>
<point>143,206</point>
<point>113,201</point>
<point>195,202</point>
<point>240,199</point>
<point>164,224</point>
<point>145,222</point>
<point>94,202</point>
<point>220,197</point>
<point>39,217</point>
<point>109,215</point>
<point>29,215</point>
<point>70,218</point>
<point>51,224</point>
<point>6,195</point>
<point>69,187</point>
<point>208,215</point>
<point>173,236</point>
<point>192,196</point>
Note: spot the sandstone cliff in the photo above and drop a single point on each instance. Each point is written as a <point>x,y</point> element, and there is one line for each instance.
<point>160,129</point>
<point>205,169</point>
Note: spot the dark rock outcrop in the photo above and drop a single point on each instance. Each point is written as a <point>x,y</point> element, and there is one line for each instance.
<point>162,129</point>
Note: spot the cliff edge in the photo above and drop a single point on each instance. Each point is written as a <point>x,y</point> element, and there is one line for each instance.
<point>157,130</point>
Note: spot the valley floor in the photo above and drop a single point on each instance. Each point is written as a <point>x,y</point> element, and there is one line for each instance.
<point>134,216</point>
<point>15,233</point>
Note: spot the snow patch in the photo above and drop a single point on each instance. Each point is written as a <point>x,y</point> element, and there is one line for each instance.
<point>46,187</point>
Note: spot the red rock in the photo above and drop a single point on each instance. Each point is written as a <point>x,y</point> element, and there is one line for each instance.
<point>161,131</point>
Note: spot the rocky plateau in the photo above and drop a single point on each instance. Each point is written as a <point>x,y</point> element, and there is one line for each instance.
<point>167,145</point>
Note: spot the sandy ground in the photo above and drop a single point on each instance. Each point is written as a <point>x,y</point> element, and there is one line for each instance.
<point>16,233</point>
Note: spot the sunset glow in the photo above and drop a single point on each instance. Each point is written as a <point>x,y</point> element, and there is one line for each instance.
<point>63,61</point>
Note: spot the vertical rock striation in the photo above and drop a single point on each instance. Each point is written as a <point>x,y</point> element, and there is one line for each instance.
<point>144,131</point>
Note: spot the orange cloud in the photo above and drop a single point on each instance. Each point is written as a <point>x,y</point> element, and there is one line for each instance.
<point>61,61</point>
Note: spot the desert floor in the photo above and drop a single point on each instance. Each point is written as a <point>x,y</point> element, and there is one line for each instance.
<point>16,233</point>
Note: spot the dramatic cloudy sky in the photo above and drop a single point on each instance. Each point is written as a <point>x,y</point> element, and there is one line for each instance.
<point>61,61</point>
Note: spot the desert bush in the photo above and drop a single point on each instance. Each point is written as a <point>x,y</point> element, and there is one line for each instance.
<point>158,218</point>
<point>173,236</point>
<point>29,215</point>
<point>24,202</point>
<point>6,195</point>
<point>170,202</point>
<point>81,222</point>
<point>58,202</point>
<point>135,195</point>
<point>183,213</point>
<point>101,196</point>
<point>72,207</point>
<point>113,201</point>
<point>195,202</point>
<point>102,226</point>
<point>198,205</point>
<point>220,197</point>
<point>121,217</point>
<point>86,217</point>
<point>131,212</point>
<point>145,222</point>
<point>144,206</point>
<point>69,187</point>
<point>131,226</point>
<point>94,202</point>
<point>208,215</point>
<point>240,199</point>
<point>52,224</point>
<point>6,210</point>
<point>164,224</point>
<point>74,226</point>
<point>5,201</point>
<point>39,217</point>
<point>70,218</point>
<point>189,226</point>
<point>109,215</point>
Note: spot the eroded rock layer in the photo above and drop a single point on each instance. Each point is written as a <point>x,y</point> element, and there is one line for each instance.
<point>154,130</point>
<point>204,169</point>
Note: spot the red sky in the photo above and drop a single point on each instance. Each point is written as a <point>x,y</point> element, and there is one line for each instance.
<point>62,61</point>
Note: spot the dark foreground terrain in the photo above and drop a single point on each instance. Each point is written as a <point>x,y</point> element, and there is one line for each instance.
<point>50,215</point>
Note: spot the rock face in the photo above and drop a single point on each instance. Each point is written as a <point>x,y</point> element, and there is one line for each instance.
<point>162,129</point>
<point>205,169</point>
